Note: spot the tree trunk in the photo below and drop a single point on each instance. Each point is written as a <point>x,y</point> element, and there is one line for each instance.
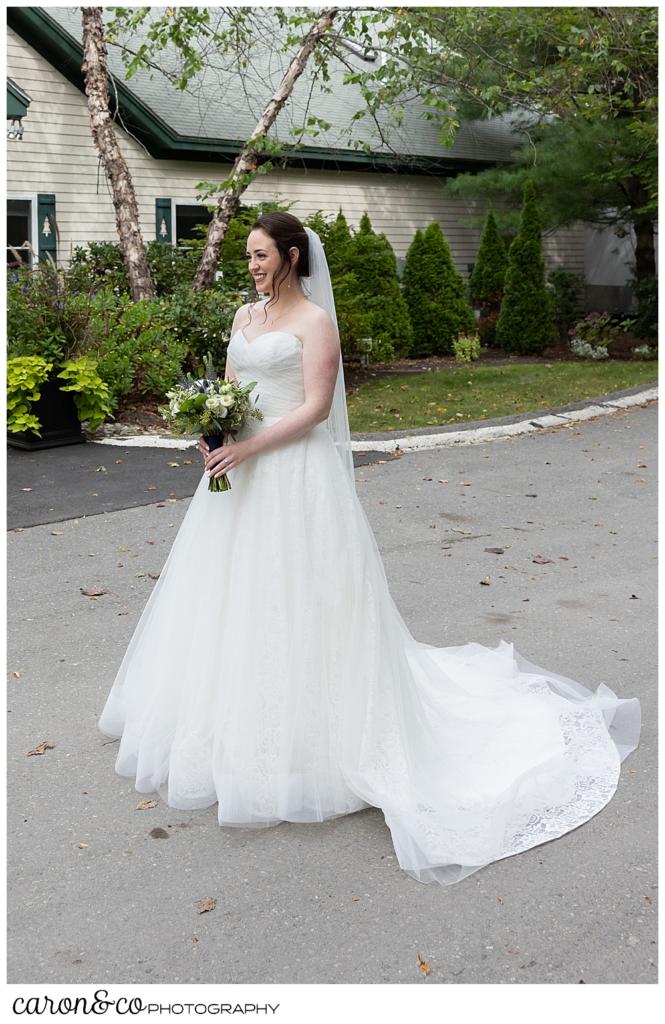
<point>122,190</point>
<point>247,161</point>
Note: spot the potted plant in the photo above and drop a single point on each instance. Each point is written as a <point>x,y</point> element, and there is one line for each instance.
<point>44,413</point>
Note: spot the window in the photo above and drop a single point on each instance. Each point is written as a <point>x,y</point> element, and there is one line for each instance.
<point>19,232</point>
<point>186,220</point>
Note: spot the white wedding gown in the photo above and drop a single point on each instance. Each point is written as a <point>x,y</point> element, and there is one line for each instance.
<point>299,694</point>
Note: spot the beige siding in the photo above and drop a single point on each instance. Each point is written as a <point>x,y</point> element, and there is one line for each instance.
<point>57,155</point>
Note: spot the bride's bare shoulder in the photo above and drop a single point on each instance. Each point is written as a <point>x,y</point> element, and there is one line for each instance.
<point>315,317</point>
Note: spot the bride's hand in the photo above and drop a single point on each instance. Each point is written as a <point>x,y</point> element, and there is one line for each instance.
<point>229,456</point>
<point>203,445</point>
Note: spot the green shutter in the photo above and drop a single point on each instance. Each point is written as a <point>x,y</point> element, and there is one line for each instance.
<point>163,232</point>
<point>47,241</point>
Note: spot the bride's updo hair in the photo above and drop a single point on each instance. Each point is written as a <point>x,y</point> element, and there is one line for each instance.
<point>286,232</point>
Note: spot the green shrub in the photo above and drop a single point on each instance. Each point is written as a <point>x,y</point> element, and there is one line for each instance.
<point>435,294</point>
<point>486,281</point>
<point>373,265</point>
<point>35,305</point>
<point>526,321</point>
<point>466,348</point>
<point>567,291</point>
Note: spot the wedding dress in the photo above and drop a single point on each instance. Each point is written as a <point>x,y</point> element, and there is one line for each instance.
<point>272,673</point>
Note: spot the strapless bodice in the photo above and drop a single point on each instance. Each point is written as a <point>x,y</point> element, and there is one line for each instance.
<point>274,361</point>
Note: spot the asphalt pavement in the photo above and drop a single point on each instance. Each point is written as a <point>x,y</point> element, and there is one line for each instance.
<point>99,891</point>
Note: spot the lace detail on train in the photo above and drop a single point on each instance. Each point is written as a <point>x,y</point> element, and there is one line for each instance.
<point>272,674</point>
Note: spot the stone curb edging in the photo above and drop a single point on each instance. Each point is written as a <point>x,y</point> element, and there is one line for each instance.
<point>443,437</point>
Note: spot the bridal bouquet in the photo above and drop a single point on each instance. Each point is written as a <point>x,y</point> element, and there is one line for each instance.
<point>211,407</point>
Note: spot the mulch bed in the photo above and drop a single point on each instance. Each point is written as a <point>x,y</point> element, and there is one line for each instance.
<point>143,413</point>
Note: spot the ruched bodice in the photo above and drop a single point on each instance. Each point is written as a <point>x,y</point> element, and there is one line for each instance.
<point>274,361</point>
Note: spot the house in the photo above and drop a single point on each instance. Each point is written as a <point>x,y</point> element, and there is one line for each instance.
<point>59,198</point>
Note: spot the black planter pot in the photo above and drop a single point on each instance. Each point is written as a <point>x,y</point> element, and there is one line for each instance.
<point>56,411</point>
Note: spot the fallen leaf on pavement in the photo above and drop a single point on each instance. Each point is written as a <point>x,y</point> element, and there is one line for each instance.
<point>423,965</point>
<point>540,560</point>
<point>151,487</point>
<point>485,582</point>
<point>57,533</point>
<point>495,551</point>
<point>41,748</point>
<point>93,591</point>
<point>17,675</point>
<point>176,465</point>
<point>19,529</point>
<point>118,461</point>
<point>206,904</point>
<point>145,805</point>
<point>83,846</point>
<point>100,469</point>
<point>153,575</point>
<point>159,833</point>
<point>188,462</point>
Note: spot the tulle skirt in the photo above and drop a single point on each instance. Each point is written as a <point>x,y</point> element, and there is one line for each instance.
<point>271,673</point>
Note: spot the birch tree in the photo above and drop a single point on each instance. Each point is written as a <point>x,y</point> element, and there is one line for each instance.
<point>95,73</point>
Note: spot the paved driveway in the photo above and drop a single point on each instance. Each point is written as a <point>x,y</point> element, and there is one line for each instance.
<point>328,903</point>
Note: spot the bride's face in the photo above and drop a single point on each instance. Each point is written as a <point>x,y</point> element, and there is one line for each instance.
<point>264,261</point>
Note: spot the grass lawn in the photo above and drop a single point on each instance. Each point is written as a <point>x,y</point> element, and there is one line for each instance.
<point>482,392</point>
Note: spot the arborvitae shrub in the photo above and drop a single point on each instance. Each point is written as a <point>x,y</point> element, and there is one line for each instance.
<point>435,294</point>
<point>487,279</point>
<point>526,321</point>
<point>372,262</point>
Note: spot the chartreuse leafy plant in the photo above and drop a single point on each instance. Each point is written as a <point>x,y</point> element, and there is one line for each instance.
<point>25,374</point>
<point>91,394</point>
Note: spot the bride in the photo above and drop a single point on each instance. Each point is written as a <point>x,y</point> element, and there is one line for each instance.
<point>271,672</point>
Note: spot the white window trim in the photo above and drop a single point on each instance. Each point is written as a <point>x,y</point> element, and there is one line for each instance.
<point>34,227</point>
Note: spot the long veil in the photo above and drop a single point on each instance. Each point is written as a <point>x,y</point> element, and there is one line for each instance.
<point>318,288</point>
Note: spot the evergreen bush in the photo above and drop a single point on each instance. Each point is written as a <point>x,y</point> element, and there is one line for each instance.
<point>487,278</point>
<point>526,321</point>
<point>372,263</point>
<point>435,294</point>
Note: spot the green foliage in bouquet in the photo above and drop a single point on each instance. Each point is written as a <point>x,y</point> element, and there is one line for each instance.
<point>212,407</point>
<point>526,321</point>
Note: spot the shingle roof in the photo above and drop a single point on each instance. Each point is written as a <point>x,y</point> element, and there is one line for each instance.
<point>223,105</point>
